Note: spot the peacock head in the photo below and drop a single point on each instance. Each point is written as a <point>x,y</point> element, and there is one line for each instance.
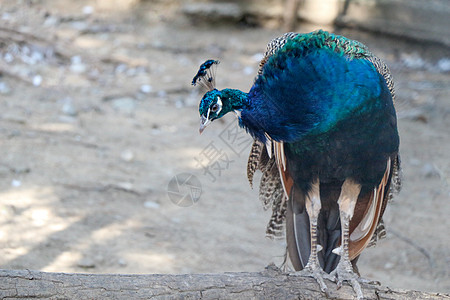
<point>215,104</point>
<point>212,107</point>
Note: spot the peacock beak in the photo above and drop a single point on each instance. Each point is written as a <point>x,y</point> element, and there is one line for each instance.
<point>203,123</point>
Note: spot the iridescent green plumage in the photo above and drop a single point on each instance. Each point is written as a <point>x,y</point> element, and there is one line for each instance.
<point>337,43</point>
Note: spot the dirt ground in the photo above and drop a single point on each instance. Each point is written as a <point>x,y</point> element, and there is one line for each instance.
<point>97,115</point>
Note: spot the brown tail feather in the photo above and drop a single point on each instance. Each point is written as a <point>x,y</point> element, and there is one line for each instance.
<point>375,209</point>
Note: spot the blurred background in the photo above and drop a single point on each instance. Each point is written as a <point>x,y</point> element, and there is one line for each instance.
<point>97,116</point>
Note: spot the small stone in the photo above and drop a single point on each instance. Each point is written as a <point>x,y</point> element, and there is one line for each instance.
<point>36,56</point>
<point>37,80</point>
<point>16,183</point>
<point>444,64</point>
<point>120,68</point>
<point>127,155</point>
<point>151,204</point>
<point>127,186</point>
<point>125,104</point>
<point>88,10</point>
<point>86,263</point>
<point>51,21</point>
<point>8,57</point>
<point>78,68</point>
<point>122,262</point>
<point>7,16</point>
<point>146,88</point>
<point>4,88</point>
<point>76,59</point>
<point>68,108</point>
<point>388,265</point>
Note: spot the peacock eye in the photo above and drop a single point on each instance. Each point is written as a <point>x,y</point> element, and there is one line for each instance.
<point>215,107</point>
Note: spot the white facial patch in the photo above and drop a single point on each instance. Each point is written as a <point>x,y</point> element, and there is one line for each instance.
<point>220,104</point>
<point>217,112</point>
<point>207,114</point>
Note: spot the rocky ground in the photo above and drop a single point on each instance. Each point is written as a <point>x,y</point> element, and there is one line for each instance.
<point>97,115</point>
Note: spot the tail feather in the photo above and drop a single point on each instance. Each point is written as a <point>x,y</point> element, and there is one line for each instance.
<point>275,228</point>
<point>297,230</point>
<point>329,228</point>
<point>380,197</point>
<point>298,234</point>
<point>270,183</point>
<point>380,233</point>
<point>254,160</point>
<point>271,192</point>
<point>289,213</point>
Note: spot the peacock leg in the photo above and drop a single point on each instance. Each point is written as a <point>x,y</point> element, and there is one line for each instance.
<point>312,268</point>
<point>344,270</point>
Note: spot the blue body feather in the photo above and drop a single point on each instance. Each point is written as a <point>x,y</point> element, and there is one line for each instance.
<point>307,90</point>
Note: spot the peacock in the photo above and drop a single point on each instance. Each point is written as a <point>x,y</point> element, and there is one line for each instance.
<point>322,116</point>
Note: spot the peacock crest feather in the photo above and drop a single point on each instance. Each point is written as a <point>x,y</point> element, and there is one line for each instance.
<point>206,75</point>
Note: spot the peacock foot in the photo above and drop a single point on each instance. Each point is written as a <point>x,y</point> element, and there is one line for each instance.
<point>344,272</point>
<point>368,281</point>
<point>315,271</point>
